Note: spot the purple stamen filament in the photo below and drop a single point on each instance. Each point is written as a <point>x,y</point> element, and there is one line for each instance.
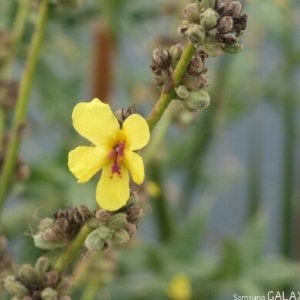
<point>117,155</point>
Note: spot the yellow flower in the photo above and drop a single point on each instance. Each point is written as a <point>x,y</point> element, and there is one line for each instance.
<point>112,151</point>
<point>179,288</point>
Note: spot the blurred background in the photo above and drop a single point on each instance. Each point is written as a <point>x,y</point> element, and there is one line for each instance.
<point>222,184</point>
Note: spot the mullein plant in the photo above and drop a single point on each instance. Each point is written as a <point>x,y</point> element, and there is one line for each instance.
<point>211,28</point>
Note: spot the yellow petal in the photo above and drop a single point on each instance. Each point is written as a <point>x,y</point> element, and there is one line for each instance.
<point>137,132</point>
<point>84,162</point>
<point>95,121</point>
<point>135,165</point>
<point>113,193</point>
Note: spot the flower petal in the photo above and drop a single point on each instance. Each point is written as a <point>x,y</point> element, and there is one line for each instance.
<point>113,193</point>
<point>135,164</point>
<point>137,132</point>
<point>84,162</point>
<point>95,121</point>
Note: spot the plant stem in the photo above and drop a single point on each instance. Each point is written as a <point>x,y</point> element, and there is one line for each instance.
<point>6,70</point>
<point>22,101</point>
<point>169,90</point>
<point>71,250</point>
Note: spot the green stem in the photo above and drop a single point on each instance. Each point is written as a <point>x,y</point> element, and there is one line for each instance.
<point>71,250</point>
<point>6,70</point>
<point>169,91</point>
<point>22,101</point>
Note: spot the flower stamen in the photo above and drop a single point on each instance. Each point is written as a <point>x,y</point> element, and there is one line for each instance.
<point>117,155</point>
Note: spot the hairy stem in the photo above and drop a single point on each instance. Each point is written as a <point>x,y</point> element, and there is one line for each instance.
<point>22,101</point>
<point>169,90</point>
<point>6,69</point>
<point>71,250</point>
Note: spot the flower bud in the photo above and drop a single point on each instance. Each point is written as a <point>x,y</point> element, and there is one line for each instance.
<point>134,214</point>
<point>195,82</point>
<point>212,47</point>
<point>60,225</point>
<point>197,100</point>
<point>15,287</point>
<point>225,24</point>
<point>182,92</point>
<point>131,229</point>
<point>28,274</point>
<point>133,199</point>
<point>161,58</point>
<point>195,33</point>
<point>42,266</point>
<point>49,235</point>
<point>45,224</point>
<point>195,66</point>
<point>183,27</point>
<point>209,18</point>
<point>117,221</point>
<point>206,3</point>
<point>102,215</point>
<point>234,47</point>
<point>92,222</point>
<point>51,278</point>
<point>175,54</point>
<point>94,241</point>
<point>191,13</point>
<point>121,236</point>
<point>64,284</point>
<point>233,8</point>
<point>49,294</point>
<point>39,242</point>
<point>104,232</point>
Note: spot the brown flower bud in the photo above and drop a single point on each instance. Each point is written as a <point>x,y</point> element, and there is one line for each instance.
<point>191,12</point>
<point>196,65</point>
<point>160,58</point>
<point>225,24</point>
<point>49,235</point>
<point>61,225</point>
<point>233,8</point>
<point>131,229</point>
<point>102,215</point>
<point>51,278</point>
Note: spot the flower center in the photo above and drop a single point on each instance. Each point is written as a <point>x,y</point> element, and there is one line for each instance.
<point>117,156</point>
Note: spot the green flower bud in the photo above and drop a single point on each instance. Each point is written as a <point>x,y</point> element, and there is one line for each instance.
<point>42,266</point>
<point>133,199</point>
<point>183,27</point>
<point>191,12</point>
<point>209,18</point>
<point>102,215</point>
<point>28,274</point>
<point>206,3</point>
<point>94,241</point>
<point>64,284</point>
<point>104,232</point>
<point>49,294</point>
<point>39,242</point>
<point>182,92</point>
<point>212,47</point>
<point>15,287</point>
<point>225,24</point>
<point>45,224</point>
<point>197,100</point>
<point>175,54</point>
<point>195,33</point>
<point>121,236</point>
<point>234,47</point>
<point>117,221</point>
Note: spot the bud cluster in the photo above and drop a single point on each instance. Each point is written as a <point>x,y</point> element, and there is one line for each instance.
<point>56,232</point>
<point>214,25</point>
<point>124,113</point>
<point>190,91</point>
<point>38,283</point>
<point>117,226</point>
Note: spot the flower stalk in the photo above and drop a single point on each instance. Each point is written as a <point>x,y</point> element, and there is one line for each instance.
<point>19,119</point>
<point>169,90</point>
